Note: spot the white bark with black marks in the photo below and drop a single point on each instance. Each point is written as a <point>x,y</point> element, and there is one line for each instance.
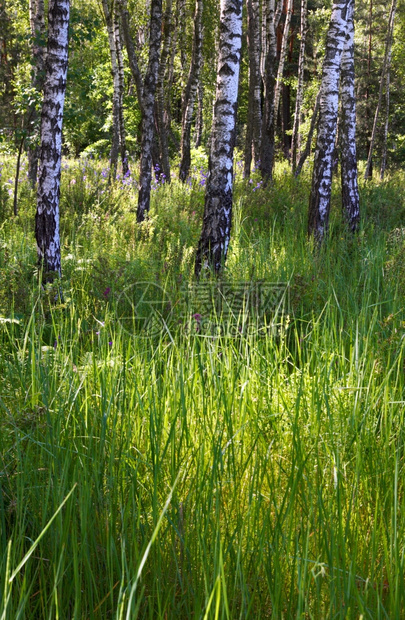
<point>347,128</point>
<point>215,235</point>
<point>149,90</point>
<point>115,141</point>
<point>47,215</point>
<point>121,85</point>
<point>319,205</point>
<point>190,94</point>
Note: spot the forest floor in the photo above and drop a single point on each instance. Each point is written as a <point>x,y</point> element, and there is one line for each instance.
<point>169,450</point>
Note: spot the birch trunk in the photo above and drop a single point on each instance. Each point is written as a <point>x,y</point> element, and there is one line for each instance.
<point>115,142</point>
<point>267,143</point>
<point>146,90</point>
<point>160,93</point>
<point>283,54</point>
<point>199,119</point>
<point>169,86</point>
<point>319,204</point>
<point>37,24</point>
<point>121,86</point>
<point>149,90</point>
<point>215,235</point>
<point>347,128</point>
<point>387,117</point>
<point>296,136</point>
<point>47,215</point>
<point>254,122</point>
<point>387,54</point>
<point>191,92</point>
<point>369,59</point>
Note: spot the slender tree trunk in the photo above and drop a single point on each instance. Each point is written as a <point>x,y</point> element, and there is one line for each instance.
<point>199,119</point>
<point>191,92</point>
<point>369,59</point>
<point>146,90</point>
<point>115,143</point>
<point>37,23</point>
<point>347,128</point>
<point>283,54</point>
<point>305,153</point>
<point>169,87</point>
<point>387,56</point>
<point>132,59</point>
<point>149,90</point>
<point>387,119</point>
<point>319,205</point>
<point>47,215</point>
<point>215,235</point>
<point>254,121</point>
<point>267,144</point>
<point>181,12</point>
<point>296,136</point>
<point>160,93</point>
<point>121,83</point>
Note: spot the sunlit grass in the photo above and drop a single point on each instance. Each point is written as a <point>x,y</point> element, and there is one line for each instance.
<point>182,476</point>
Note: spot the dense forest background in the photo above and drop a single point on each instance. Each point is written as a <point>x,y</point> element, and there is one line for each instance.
<point>174,446</point>
<point>89,95</point>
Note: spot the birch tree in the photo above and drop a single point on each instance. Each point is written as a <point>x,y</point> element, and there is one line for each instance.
<point>146,90</point>
<point>254,121</point>
<point>121,86</point>
<point>347,127</point>
<point>283,55</point>
<point>160,91</point>
<point>215,235</point>
<point>117,70</point>
<point>387,57</point>
<point>47,215</point>
<point>319,205</point>
<point>269,81</point>
<point>191,90</point>
<point>295,139</point>
<point>37,25</point>
<point>387,117</point>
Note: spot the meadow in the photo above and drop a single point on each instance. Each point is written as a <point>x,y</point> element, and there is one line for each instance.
<point>180,473</point>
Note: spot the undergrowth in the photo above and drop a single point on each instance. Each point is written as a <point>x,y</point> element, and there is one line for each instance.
<point>177,473</point>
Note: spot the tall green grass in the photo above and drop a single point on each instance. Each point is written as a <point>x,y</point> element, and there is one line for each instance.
<point>182,476</point>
